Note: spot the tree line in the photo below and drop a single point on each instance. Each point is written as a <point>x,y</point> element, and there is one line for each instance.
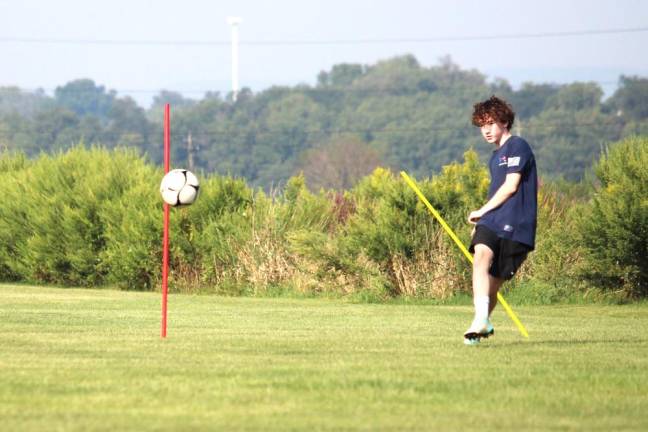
<point>396,113</point>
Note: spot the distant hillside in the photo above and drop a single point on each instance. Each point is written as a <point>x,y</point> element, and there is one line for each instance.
<point>394,113</point>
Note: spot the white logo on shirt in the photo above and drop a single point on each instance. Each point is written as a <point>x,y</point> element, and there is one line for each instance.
<point>514,161</point>
<point>508,228</point>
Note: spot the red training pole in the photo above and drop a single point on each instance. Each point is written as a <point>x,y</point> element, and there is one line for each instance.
<point>165,239</point>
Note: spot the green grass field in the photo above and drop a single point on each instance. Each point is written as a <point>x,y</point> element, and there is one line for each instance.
<point>93,360</point>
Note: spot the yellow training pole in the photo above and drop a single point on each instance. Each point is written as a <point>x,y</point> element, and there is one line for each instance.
<point>445,226</point>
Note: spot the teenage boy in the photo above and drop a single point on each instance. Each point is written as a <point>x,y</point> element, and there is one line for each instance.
<point>505,226</point>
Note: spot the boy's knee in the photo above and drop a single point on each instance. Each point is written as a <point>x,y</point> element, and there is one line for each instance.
<point>482,253</point>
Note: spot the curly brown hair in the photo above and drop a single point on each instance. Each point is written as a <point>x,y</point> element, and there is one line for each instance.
<point>493,108</point>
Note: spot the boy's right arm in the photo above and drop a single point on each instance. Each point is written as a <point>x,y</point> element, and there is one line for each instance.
<point>508,188</point>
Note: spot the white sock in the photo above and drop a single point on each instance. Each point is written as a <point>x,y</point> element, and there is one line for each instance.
<point>481,307</point>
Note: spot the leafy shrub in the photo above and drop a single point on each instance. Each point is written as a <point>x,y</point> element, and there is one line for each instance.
<point>554,267</point>
<point>88,217</point>
<point>215,229</point>
<point>132,220</point>
<point>614,225</point>
<point>13,230</point>
<point>393,229</point>
<point>54,210</point>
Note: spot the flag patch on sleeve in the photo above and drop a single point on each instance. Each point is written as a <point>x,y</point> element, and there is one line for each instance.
<point>514,161</point>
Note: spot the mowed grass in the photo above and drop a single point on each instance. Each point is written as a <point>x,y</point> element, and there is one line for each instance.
<point>79,360</point>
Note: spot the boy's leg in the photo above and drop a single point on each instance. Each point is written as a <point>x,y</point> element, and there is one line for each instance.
<point>480,327</point>
<point>494,286</point>
<point>481,279</point>
<point>510,258</point>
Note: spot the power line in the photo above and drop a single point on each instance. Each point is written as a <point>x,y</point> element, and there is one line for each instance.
<point>287,89</point>
<point>285,42</point>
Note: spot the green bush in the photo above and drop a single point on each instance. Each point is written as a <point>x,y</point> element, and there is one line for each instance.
<point>213,231</point>
<point>552,270</point>
<point>53,225</point>
<point>92,217</point>
<point>391,230</point>
<point>13,229</point>
<point>132,222</point>
<point>614,225</point>
<point>88,217</point>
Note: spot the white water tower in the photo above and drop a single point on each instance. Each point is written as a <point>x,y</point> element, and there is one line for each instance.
<point>234,24</point>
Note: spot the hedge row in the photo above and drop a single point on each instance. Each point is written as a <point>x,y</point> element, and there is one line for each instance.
<point>91,217</point>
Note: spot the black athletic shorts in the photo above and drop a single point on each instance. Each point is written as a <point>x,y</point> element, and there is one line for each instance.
<point>508,254</point>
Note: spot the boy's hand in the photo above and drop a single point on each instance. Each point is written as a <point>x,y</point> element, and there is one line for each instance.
<point>474,216</point>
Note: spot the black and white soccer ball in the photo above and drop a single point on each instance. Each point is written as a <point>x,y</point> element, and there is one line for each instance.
<point>179,187</point>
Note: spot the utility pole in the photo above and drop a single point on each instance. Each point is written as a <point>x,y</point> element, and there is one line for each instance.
<point>234,24</point>
<point>190,156</point>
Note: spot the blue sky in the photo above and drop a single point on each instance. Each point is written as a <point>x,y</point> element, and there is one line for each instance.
<point>45,44</point>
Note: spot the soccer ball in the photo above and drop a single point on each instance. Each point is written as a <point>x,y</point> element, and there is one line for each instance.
<point>179,187</point>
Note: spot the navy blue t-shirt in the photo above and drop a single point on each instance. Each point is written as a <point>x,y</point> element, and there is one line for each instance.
<point>516,218</point>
